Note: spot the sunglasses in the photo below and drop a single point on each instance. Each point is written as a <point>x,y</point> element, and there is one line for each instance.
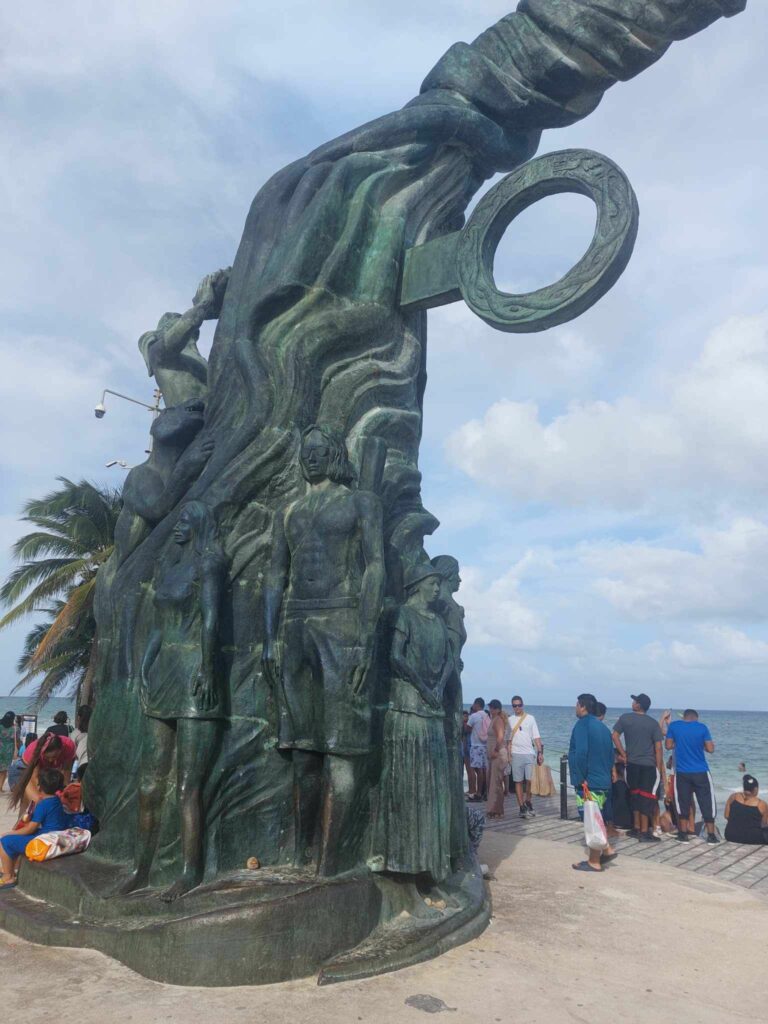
<point>517,705</point>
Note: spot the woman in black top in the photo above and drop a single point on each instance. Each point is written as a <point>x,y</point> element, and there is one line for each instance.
<point>747,816</point>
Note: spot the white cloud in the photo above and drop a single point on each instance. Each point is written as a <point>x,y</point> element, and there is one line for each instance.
<point>724,577</point>
<point>703,433</point>
<point>496,614</point>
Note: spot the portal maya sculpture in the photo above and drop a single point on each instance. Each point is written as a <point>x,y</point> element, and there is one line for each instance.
<point>279,661</point>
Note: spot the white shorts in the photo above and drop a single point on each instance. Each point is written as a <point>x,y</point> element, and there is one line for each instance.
<point>478,756</point>
<point>522,767</point>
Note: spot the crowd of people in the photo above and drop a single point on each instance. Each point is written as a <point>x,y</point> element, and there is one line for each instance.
<point>501,755</point>
<point>38,770</point>
<point>625,773</point>
<point>646,776</point>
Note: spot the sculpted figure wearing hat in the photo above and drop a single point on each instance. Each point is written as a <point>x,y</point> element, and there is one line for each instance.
<point>414,826</point>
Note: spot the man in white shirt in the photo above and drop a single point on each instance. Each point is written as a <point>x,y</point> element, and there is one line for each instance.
<point>527,750</point>
<point>479,722</point>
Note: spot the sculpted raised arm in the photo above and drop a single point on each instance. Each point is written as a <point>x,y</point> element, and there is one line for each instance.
<point>548,64</point>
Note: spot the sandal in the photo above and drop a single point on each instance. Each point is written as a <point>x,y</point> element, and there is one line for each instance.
<point>584,865</point>
<point>605,858</point>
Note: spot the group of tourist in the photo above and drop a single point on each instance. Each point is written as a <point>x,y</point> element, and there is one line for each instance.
<point>624,772</point>
<point>38,768</point>
<point>64,743</point>
<point>498,750</point>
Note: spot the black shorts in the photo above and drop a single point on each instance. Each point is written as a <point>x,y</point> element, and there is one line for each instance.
<point>643,782</point>
<point>699,783</point>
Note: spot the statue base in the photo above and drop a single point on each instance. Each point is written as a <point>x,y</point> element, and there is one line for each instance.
<point>249,927</point>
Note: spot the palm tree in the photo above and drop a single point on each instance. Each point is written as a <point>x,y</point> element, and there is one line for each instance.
<point>74,535</point>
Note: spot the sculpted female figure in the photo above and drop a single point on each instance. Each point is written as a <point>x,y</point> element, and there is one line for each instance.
<point>452,615</point>
<point>181,698</point>
<point>415,807</point>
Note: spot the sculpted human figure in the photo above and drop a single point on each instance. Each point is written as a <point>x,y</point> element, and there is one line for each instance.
<point>327,576</point>
<point>170,350</point>
<point>152,489</point>
<point>181,697</point>
<point>415,810</point>
<point>452,615</point>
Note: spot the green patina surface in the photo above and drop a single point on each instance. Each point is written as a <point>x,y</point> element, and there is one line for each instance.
<point>261,571</point>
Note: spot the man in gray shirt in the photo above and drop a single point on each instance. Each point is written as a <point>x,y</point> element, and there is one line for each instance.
<point>644,761</point>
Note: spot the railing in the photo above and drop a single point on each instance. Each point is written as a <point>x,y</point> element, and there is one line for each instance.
<point>564,787</point>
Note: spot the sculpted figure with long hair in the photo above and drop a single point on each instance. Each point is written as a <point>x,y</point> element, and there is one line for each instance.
<point>327,577</point>
<point>182,700</point>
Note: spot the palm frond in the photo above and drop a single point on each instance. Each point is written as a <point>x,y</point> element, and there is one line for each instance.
<point>31,574</point>
<point>78,604</point>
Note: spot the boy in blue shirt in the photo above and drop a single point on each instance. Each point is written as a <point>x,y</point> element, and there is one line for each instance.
<point>48,816</point>
<point>690,739</point>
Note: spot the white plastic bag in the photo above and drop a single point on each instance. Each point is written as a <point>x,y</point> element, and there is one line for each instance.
<point>595,835</point>
<point>58,844</point>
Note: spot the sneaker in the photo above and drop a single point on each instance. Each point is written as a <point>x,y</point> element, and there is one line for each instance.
<point>658,832</point>
<point>633,833</point>
<point>523,812</point>
<point>712,838</point>
<point>529,808</point>
<point>648,837</point>
<point>683,837</point>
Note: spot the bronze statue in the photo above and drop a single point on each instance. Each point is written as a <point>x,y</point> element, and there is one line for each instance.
<point>323,320</point>
<point>452,615</point>
<point>155,487</point>
<point>327,575</point>
<point>170,350</point>
<point>182,698</point>
<point>415,802</point>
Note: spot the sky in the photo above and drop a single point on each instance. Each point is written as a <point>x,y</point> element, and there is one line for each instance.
<point>604,484</point>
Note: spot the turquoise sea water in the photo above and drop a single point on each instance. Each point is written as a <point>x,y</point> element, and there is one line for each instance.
<point>738,735</point>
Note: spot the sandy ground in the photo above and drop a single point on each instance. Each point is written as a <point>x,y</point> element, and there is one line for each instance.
<point>641,942</point>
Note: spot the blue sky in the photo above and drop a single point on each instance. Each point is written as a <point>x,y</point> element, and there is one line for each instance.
<point>603,484</point>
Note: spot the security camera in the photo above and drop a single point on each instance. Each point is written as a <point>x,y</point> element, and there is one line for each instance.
<point>99,411</point>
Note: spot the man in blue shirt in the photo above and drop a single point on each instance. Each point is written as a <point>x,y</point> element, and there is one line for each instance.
<point>690,739</point>
<point>590,759</point>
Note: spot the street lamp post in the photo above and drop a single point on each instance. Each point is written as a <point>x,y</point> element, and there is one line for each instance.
<point>100,409</point>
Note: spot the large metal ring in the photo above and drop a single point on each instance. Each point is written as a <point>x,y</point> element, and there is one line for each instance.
<point>570,170</point>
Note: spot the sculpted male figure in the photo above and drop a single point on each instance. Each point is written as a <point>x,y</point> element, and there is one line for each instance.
<point>327,575</point>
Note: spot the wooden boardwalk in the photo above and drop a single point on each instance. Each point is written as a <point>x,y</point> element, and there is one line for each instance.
<point>746,866</point>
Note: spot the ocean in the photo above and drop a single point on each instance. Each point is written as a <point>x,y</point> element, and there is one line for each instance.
<point>20,704</point>
<point>738,735</point>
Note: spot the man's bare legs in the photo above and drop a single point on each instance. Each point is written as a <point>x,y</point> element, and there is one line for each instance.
<point>307,796</point>
<point>341,796</point>
<point>326,793</point>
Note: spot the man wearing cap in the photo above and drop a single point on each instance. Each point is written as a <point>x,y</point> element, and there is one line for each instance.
<point>645,763</point>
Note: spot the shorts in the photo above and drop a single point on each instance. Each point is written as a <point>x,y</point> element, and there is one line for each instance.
<point>601,797</point>
<point>643,782</point>
<point>317,708</point>
<point>522,767</point>
<point>478,756</point>
<point>14,846</point>
<point>699,783</point>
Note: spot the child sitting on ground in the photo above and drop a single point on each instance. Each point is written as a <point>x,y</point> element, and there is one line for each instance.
<point>48,816</point>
